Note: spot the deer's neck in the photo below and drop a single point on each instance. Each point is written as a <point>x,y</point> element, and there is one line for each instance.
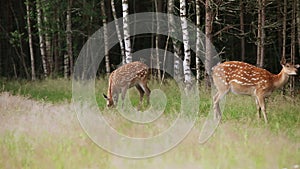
<point>280,79</point>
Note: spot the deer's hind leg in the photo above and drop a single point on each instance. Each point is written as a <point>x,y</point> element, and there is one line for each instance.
<point>141,91</point>
<point>258,109</point>
<point>218,96</point>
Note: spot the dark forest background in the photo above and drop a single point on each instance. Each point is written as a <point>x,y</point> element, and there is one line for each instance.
<point>234,32</point>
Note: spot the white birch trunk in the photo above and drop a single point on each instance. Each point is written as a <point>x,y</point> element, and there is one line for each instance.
<point>187,51</point>
<point>156,43</point>
<point>176,47</point>
<point>106,54</point>
<point>47,38</point>
<point>41,37</point>
<point>198,41</point>
<point>118,32</point>
<point>126,31</point>
<point>33,76</point>
<point>69,37</point>
<point>293,46</point>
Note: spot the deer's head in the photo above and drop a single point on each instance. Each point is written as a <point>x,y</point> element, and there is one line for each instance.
<point>109,101</point>
<point>289,68</point>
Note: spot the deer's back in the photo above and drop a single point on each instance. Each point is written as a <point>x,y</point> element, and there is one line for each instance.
<point>129,74</point>
<point>242,76</point>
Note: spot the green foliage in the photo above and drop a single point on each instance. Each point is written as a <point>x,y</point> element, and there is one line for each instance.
<point>15,38</point>
<point>48,90</point>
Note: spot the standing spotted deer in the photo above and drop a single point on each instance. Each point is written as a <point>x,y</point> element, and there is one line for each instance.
<point>246,79</point>
<point>129,75</point>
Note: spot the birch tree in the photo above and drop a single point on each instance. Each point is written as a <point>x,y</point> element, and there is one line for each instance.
<point>28,10</point>
<point>157,40</point>
<point>69,37</point>
<point>126,31</point>
<point>41,37</point>
<point>106,51</point>
<point>114,13</point>
<point>198,41</point>
<point>293,45</point>
<point>45,13</point>
<point>186,45</point>
<point>175,42</point>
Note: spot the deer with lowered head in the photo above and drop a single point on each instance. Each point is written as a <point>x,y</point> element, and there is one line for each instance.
<point>245,79</point>
<point>127,76</point>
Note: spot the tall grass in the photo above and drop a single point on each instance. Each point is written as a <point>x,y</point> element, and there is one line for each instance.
<point>57,90</point>
<point>46,134</point>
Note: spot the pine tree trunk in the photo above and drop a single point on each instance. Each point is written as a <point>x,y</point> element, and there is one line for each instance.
<point>19,49</point>
<point>106,51</point>
<point>242,27</point>
<point>41,37</point>
<point>57,48</point>
<point>198,41</point>
<point>208,40</point>
<point>33,76</point>
<point>298,25</point>
<point>126,31</point>
<point>293,45</point>
<point>279,30</point>
<point>284,28</point>
<point>69,37</point>
<point>263,34</point>
<point>259,33</point>
<point>186,45</point>
<point>118,32</point>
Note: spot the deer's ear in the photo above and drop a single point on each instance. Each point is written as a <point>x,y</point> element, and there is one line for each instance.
<point>297,66</point>
<point>283,61</point>
<point>105,96</point>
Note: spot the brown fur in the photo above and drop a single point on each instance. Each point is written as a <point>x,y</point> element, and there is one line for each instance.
<point>129,75</point>
<point>243,78</point>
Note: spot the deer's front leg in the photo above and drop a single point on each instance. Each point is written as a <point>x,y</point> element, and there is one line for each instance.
<point>141,91</point>
<point>261,102</point>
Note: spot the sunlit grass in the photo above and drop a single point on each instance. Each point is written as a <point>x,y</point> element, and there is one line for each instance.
<point>46,134</point>
<point>50,90</point>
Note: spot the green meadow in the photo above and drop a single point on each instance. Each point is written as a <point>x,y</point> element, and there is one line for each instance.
<point>39,129</point>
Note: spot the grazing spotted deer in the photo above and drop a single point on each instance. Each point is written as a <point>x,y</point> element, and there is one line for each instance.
<point>129,75</point>
<point>243,78</point>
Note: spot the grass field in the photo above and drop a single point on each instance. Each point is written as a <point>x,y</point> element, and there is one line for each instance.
<point>39,129</point>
